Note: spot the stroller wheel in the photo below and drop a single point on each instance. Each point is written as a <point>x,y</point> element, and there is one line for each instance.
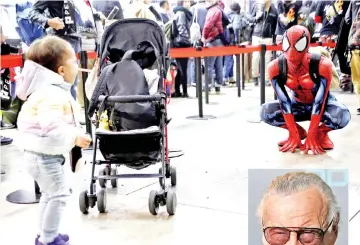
<point>161,179</point>
<point>101,201</point>
<point>171,202</point>
<point>102,182</point>
<point>173,176</point>
<point>154,203</point>
<point>114,182</point>
<point>84,202</point>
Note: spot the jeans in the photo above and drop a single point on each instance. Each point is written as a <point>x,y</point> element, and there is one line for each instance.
<point>228,66</point>
<point>76,44</point>
<point>48,172</point>
<point>192,71</point>
<point>215,62</point>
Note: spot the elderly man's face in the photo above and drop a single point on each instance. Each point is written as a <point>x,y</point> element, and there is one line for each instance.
<point>306,209</point>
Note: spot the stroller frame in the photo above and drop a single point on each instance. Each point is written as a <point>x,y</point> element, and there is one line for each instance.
<point>166,195</point>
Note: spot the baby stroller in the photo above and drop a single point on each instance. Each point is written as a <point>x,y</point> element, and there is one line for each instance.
<point>138,119</point>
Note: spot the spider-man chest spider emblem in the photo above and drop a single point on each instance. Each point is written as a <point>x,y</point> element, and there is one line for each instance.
<point>309,99</point>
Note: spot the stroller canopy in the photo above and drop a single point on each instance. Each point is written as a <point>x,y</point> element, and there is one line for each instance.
<point>128,33</point>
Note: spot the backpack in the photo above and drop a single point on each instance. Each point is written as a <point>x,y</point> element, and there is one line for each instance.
<point>170,30</point>
<point>27,30</point>
<point>313,68</point>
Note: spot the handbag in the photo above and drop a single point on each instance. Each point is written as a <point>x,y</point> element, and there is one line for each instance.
<point>79,24</point>
<point>5,93</point>
<point>195,31</point>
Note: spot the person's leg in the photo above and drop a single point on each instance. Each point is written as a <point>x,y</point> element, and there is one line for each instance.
<point>231,69</point>
<point>219,71</point>
<point>355,74</point>
<point>271,114</point>
<point>226,69</point>
<point>336,116</point>
<point>48,172</point>
<point>255,61</point>
<point>192,72</point>
<point>268,58</point>
<point>178,79</point>
<point>184,64</point>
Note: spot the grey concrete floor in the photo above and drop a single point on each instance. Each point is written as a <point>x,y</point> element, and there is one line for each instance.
<point>212,179</point>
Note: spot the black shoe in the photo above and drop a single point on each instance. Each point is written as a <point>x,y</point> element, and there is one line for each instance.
<point>358,111</point>
<point>5,125</point>
<point>176,95</point>
<point>217,89</point>
<point>5,140</point>
<point>185,95</point>
<point>256,81</point>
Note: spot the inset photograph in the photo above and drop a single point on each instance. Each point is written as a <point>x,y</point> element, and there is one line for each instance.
<point>298,206</point>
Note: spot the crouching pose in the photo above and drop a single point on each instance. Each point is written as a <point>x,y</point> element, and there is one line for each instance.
<point>308,78</point>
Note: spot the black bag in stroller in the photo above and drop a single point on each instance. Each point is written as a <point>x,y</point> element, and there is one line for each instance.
<point>137,119</point>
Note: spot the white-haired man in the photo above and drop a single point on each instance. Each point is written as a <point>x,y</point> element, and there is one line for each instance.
<point>299,208</point>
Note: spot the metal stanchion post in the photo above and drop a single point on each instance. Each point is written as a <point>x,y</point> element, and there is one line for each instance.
<point>238,83</point>
<point>84,64</point>
<point>243,71</point>
<point>24,196</point>
<point>262,73</point>
<point>200,116</point>
<point>206,81</point>
<point>199,85</point>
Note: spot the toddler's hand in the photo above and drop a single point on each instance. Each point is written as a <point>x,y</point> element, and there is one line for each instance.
<point>83,141</point>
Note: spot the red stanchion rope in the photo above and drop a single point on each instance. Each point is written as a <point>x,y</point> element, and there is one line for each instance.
<point>9,61</point>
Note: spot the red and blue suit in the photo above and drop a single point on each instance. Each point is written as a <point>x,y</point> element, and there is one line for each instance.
<point>308,100</point>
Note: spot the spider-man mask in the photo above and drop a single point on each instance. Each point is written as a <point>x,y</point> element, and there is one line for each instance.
<point>295,43</point>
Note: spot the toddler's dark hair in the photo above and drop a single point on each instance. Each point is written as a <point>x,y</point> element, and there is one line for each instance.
<point>48,52</point>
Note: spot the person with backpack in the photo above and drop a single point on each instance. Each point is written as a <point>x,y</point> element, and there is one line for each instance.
<point>182,22</point>
<point>232,33</point>
<point>51,15</point>
<point>308,79</point>
<point>352,18</point>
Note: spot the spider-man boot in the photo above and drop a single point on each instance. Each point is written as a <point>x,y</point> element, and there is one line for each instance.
<point>324,139</point>
<point>301,130</point>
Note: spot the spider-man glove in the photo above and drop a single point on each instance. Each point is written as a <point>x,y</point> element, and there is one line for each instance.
<point>294,140</point>
<point>312,143</point>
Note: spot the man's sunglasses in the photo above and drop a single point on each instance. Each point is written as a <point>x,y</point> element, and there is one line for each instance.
<point>306,236</point>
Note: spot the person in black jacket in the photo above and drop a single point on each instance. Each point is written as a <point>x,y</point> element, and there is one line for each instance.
<point>49,14</point>
<point>183,20</point>
<point>106,6</point>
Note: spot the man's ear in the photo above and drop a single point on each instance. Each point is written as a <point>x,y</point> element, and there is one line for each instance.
<point>335,225</point>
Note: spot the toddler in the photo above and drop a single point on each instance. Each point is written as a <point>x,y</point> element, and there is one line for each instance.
<point>47,125</point>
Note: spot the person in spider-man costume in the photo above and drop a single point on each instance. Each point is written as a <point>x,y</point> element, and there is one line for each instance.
<point>307,101</point>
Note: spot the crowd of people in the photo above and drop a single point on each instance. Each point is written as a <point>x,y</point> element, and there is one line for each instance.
<point>211,23</point>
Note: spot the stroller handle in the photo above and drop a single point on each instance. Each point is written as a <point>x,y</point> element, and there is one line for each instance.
<point>132,98</point>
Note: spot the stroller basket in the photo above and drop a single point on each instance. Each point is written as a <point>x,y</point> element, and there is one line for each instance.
<point>131,147</point>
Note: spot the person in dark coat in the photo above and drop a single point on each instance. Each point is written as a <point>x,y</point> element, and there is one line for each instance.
<point>183,19</point>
